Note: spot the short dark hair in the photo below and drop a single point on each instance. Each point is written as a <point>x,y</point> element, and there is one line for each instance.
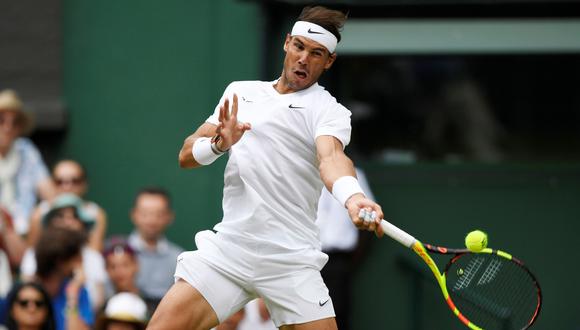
<point>55,246</point>
<point>330,19</point>
<point>153,190</point>
<point>12,297</point>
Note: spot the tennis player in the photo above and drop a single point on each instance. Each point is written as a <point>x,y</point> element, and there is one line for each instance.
<point>285,139</point>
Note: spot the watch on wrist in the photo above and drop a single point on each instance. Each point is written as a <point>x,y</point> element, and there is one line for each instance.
<point>214,140</point>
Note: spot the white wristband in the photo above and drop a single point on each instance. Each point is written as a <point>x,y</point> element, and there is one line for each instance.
<point>203,152</point>
<point>344,187</point>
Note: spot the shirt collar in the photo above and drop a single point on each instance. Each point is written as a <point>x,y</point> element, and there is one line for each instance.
<point>137,242</point>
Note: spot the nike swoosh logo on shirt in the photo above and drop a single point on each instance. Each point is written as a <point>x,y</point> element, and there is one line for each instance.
<point>314,32</point>
<point>291,106</point>
<point>323,302</point>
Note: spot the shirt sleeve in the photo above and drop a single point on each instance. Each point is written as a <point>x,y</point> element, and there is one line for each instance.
<point>28,264</point>
<point>84,307</point>
<point>335,122</point>
<point>228,93</point>
<point>34,163</point>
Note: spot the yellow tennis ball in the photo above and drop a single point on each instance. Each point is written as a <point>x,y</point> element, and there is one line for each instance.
<point>476,241</point>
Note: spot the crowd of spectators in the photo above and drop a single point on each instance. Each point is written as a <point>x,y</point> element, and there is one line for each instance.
<point>59,267</point>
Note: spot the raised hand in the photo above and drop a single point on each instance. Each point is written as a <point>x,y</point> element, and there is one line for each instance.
<point>229,129</point>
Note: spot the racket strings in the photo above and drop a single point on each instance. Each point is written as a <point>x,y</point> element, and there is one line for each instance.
<point>492,292</point>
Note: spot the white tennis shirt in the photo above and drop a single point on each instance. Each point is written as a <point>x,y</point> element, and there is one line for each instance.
<point>272,181</point>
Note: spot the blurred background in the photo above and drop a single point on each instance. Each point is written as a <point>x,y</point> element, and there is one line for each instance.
<point>466,114</point>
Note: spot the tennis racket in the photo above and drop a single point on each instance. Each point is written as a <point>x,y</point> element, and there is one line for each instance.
<point>489,289</point>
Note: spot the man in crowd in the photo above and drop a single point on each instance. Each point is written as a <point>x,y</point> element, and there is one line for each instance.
<point>152,214</point>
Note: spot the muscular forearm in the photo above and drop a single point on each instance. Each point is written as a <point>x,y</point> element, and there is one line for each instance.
<point>333,168</point>
<point>333,163</point>
<point>186,159</point>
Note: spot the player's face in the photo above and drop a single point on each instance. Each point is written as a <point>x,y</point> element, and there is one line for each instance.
<point>304,63</point>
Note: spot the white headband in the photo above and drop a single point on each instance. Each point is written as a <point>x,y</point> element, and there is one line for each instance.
<point>316,33</point>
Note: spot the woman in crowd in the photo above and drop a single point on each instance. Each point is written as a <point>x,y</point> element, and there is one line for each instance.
<point>29,308</point>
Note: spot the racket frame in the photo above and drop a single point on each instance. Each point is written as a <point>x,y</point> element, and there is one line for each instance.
<point>422,250</point>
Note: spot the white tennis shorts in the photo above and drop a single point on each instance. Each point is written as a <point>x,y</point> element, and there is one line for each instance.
<point>230,274</point>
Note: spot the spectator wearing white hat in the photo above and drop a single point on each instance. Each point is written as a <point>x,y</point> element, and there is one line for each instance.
<point>124,311</point>
<point>23,174</point>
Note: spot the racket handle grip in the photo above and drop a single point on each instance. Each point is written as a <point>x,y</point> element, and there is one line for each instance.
<point>397,234</point>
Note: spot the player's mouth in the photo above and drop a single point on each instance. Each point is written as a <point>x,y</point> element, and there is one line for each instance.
<point>301,74</point>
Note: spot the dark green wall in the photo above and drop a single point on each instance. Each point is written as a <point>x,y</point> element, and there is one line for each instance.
<point>139,77</point>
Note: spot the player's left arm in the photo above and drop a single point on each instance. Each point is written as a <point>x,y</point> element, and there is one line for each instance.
<point>339,176</point>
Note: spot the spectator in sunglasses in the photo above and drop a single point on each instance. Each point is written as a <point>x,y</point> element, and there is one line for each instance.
<point>71,177</point>
<point>29,308</point>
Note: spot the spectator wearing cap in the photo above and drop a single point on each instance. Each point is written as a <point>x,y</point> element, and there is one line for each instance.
<point>124,311</point>
<point>71,177</point>
<point>23,174</point>
<point>151,215</point>
<point>122,267</point>
<point>67,212</point>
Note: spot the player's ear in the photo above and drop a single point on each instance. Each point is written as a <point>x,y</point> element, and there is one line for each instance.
<point>330,61</point>
<point>287,41</point>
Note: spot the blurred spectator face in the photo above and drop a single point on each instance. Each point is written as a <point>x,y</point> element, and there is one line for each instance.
<point>29,310</point>
<point>70,178</point>
<point>67,218</point>
<point>122,268</point>
<point>151,215</point>
<point>9,128</point>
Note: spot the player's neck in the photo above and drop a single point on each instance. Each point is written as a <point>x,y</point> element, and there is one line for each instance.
<point>283,87</point>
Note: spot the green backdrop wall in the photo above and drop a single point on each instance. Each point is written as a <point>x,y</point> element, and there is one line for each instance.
<point>141,75</point>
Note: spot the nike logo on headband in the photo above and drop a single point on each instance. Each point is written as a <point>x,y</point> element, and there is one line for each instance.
<point>291,106</point>
<point>314,32</point>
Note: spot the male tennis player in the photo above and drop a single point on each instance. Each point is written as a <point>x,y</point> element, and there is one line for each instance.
<point>282,137</point>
